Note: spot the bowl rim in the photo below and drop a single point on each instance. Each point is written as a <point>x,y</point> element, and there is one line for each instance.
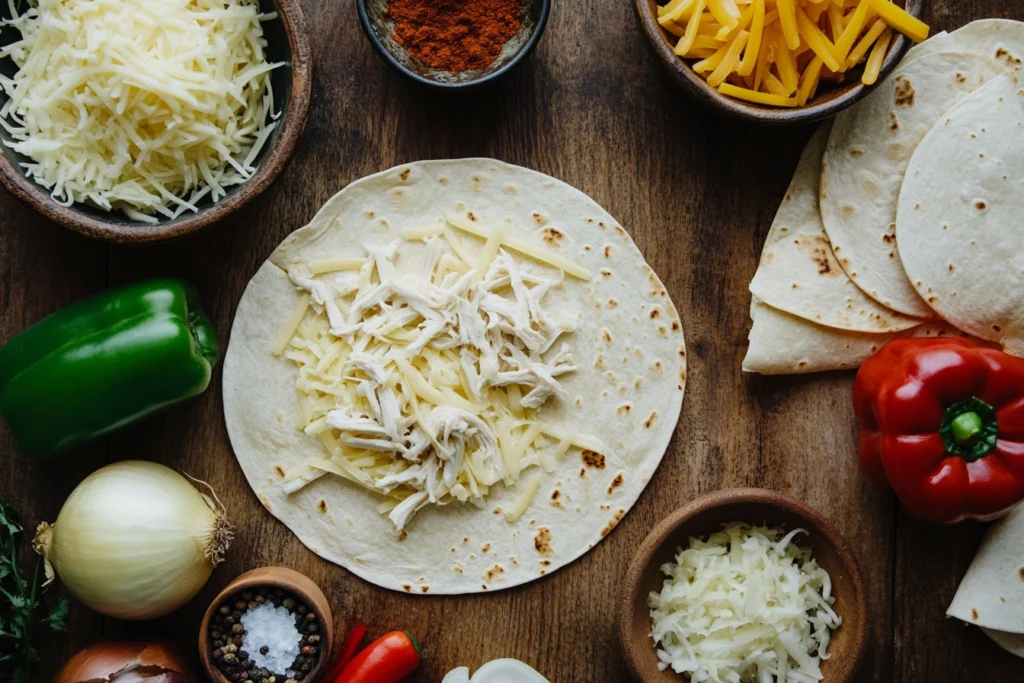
<point>656,538</point>
<point>744,111</point>
<point>526,49</point>
<point>279,577</point>
<point>36,197</point>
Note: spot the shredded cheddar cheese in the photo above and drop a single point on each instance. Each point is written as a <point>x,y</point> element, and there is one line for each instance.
<point>777,52</point>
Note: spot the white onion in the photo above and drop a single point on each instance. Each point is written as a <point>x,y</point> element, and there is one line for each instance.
<point>135,540</point>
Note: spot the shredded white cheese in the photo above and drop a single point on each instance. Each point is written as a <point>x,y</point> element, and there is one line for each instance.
<point>425,377</point>
<point>746,605</point>
<point>143,106</point>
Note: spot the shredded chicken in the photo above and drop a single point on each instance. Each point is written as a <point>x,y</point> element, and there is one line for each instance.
<point>434,442</point>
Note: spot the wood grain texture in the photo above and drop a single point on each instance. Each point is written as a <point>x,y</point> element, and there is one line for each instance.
<point>593,107</point>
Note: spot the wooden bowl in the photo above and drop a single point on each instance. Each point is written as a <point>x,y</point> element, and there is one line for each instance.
<point>380,29</point>
<point>273,577</point>
<point>286,42</point>
<point>704,516</point>
<point>828,102</point>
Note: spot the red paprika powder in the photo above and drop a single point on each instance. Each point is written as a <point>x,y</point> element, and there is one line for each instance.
<point>455,35</point>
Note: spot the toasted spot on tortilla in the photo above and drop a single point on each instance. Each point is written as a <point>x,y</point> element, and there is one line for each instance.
<point>614,521</point>
<point>465,540</point>
<point>894,151</point>
<point>620,231</point>
<point>545,563</point>
<point>496,570</point>
<point>894,122</point>
<point>383,222</point>
<point>607,251</point>
<point>542,541</point>
<point>369,214</point>
<point>854,152</point>
<point>974,614</point>
<point>485,547</point>
<point>424,589</point>
<point>471,216</point>
<point>592,459</point>
<point>1020,573</point>
<point>903,95</point>
<point>604,394</point>
<point>1004,55</point>
<point>513,561</point>
<point>583,474</point>
<point>871,188</point>
<point>607,336</point>
<point>618,481</point>
<point>266,503</point>
<point>613,303</point>
<point>623,409</point>
<point>483,587</point>
<point>404,175</point>
<point>556,494</point>
<point>655,312</point>
<point>538,217</point>
<point>980,204</point>
<point>322,506</point>
<point>279,470</point>
<point>553,236</point>
<point>847,211</point>
<point>402,536</point>
<point>407,588</point>
<point>599,362</point>
<point>457,569</point>
<point>649,422</point>
<point>605,272</point>
<point>951,267</point>
<point>601,225</point>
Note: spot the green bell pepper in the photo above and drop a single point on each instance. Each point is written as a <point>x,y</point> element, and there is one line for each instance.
<point>104,363</point>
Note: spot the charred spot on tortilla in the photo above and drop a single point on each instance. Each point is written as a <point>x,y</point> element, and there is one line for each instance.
<point>553,236</point>
<point>847,210</point>
<point>607,251</point>
<point>974,614</point>
<point>980,204</point>
<point>542,541</point>
<point>369,214</point>
<point>402,535</point>
<point>655,312</point>
<point>485,547</point>
<point>322,506</point>
<point>407,588</point>
<point>606,336</point>
<point>649,422</point>
<point>494,571</point>
<point>620,231</point>
<point>539,218</point>
<point>601,225</point>
<point>404,175</point>
<point>424,589</point>
<point>903,94</point>
<point>618,481</point>
<point>1004,55</point>
<point>279,470</point>
<point>606,273</point>
<point>458,569</point>
<point>616,518</point>
<point>592,459</point>
<point>1020,573</point>
<point>894,123</point>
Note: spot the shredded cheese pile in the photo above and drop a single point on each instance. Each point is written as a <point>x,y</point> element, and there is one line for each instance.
<point>777,52</point>
<point>146,106</point>
<point>425,378</point>
<point>746,605</point>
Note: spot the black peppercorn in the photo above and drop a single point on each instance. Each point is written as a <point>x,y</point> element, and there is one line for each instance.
<point>312,628</point>
<point>229,620</point>
<point>224,609</point>
<point>265,649</point>
<point>301,609</point>
<point>237,629</point>
<point>311,616</point>
<point>288,603</point>
<point>243,655</point>
<point>237,641</point>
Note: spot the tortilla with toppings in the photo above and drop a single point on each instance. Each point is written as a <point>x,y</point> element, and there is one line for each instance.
<point>457,378</point>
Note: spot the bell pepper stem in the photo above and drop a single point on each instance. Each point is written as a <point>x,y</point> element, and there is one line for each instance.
<point>966,428</point>
<point>970,429</point>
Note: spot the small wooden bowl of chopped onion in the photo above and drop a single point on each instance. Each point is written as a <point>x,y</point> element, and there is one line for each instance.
<point>200,120</point>
<point>780,61</point>
<point>706,582</point>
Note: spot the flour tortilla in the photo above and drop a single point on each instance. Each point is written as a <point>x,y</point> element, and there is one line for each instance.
<point>991,594</point>
<point>960,216</point>
<point>865,161</point>
<point>798,272</point>
<point>632,370</point>
<point>999,39</point>
<point>783,344</point>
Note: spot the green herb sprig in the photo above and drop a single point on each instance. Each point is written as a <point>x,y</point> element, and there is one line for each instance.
<point>19,600</point>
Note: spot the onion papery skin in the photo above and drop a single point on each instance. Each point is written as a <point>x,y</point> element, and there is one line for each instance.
<point>122,662</point>
<point>134,540</point>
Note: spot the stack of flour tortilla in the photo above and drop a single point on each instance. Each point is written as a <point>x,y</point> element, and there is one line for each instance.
<point>905,216</point>
<point>992,593</point>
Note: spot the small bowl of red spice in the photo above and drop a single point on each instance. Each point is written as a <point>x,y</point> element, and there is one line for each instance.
<point>450,44</point>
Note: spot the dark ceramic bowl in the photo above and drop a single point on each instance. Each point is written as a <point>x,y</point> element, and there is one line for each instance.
<point>380,29</point>
<point>704,516</point>
<point>286,42</point>
<point>828,102</point>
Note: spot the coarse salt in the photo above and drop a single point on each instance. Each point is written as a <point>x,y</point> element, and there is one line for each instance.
<point>274,628</point>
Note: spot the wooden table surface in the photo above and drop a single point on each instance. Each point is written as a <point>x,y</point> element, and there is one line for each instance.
<point>591,107</point>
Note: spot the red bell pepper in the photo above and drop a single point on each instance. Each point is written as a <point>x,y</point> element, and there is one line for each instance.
<point>942,422</point>
<point>389,659</point>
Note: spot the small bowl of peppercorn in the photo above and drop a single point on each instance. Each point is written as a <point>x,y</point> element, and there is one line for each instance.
<point>453,44</point>
<point>269,625</point>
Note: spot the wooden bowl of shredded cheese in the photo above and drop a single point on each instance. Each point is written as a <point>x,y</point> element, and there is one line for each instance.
<point>780,61</point>
<point>138,121</point>
<point>818,547</point>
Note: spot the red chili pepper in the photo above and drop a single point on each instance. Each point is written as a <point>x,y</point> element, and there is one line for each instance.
<point>389,659</point>
<point>942,422</point>
<point>353,640</point>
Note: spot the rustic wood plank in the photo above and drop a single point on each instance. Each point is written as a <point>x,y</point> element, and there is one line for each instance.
<point>697,193</point>
<point>43,268</point>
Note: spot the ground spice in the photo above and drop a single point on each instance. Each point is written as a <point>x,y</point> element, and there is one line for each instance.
<point>455,35</point>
